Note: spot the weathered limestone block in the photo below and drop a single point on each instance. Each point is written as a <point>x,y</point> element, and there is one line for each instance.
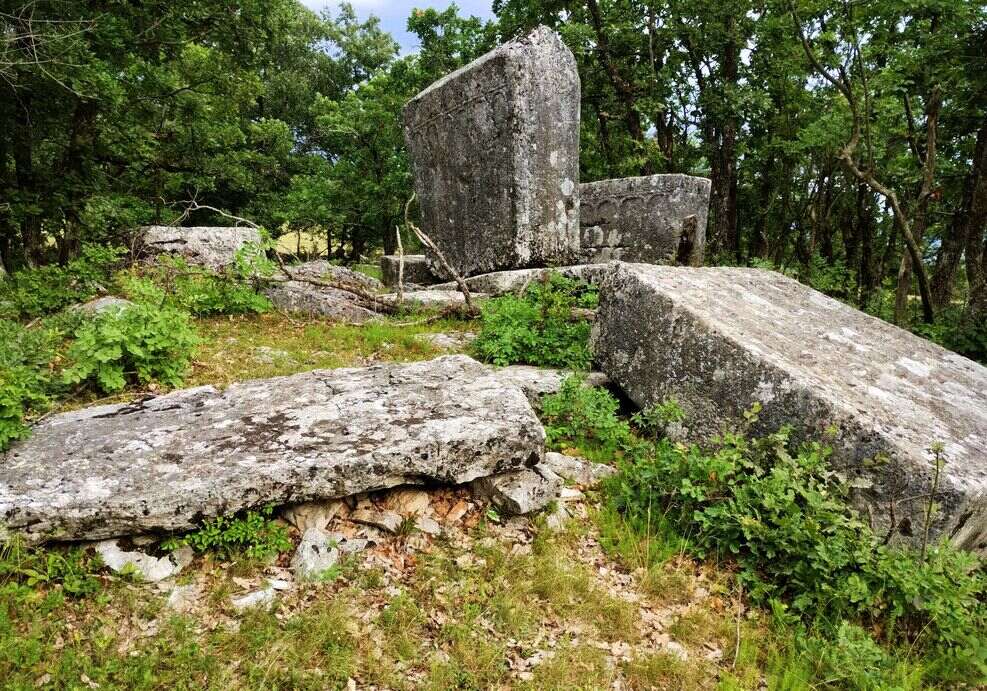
<point>658,219</point>
<point>502,282</point>
<point>719,340</point>
<point>214,248</point>
<point>495,151</point>
<point>432,299</point>
<point>416,271</point>
<point>168,462</point>
<point>315,300</point>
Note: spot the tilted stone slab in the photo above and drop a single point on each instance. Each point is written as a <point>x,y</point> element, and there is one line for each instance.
<point>657,219</point>
<point>211,247</point>
<point>495,151</point>
<point>719,340</point>
<point>416,271</point>
<point>322,271</point>
<point>168,462</point>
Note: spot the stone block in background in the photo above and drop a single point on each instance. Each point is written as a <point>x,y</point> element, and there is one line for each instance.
<point>211,247</point>
<point>416,271</point>
<point>658,219</point>
<point>495,151</point>
<point>720,339</point>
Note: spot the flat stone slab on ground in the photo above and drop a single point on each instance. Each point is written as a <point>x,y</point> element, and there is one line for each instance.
<point>212,247</point>
<point>322,270</point>
<point>656,219</point>
<point>431,298</point>
<point>719,340</point>
<point>166,463</point>
<point>502,282</point>
<point>495,151</point>
<point>317,301</point>
<point>541,381</point>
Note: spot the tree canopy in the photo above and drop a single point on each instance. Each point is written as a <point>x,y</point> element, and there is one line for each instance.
<point>846,142</point>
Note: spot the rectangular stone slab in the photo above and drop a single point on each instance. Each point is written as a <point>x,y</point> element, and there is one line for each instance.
<point>416,270</point>
<point>495,152</point>
<point>719,340</point>
<point>168,462</point>
<point>657,219</point>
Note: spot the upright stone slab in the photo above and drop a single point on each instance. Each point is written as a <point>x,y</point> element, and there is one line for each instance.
<point>659,219</point>
<point>495,152</point>
<point>168,462</point>
<point>719,340</point>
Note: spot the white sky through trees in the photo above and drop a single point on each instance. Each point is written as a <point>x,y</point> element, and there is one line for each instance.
<point>394,14</point>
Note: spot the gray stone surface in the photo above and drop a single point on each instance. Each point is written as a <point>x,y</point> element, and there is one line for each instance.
<point>416,271</point>
<point>578,470</point>
<point>501,282</point>
<point>495,151</point>
<point>718,340</point>
<point>211,247</point>
<point>146,567</point>
<point>168,462</point>
<point>321,270</point>
<point>319,301</point>
<point>658,219</point>
<point>103,304</point>
<point>522,491</point>
<point>431,298</point>
<point>540,381</point>
<point>317,553</point>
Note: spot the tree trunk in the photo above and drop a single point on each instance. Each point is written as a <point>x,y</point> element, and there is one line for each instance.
<point>867,278</point>
<point>976,231</point>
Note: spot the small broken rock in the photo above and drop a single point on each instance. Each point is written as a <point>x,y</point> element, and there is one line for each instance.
<point>578,470</point>
<point>317,553</point>
<point>150,569</point>
<point>385,520</point>
<point>258,598</point>
<point>521,492</point>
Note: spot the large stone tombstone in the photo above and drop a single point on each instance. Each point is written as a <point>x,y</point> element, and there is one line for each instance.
<point>658,219</point>
<point>495,152</point>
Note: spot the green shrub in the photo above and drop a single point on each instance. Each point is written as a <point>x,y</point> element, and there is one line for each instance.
<point>140,344</point>
<point>783,517</point>
<point>34,293</point>
<point>252,533</point>
<point>72,569</point>
<point>175,283</point>
<point>538,328</point>
<point>25,375</point>
<point>583,416</point>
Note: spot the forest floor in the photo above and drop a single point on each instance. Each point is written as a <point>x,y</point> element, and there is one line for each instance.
<point>559,600</point>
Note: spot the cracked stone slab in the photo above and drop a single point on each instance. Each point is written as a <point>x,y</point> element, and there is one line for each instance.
<point>495,151</point>
<point>719,340</point>
<point>655,219</point>
<point>166,463</point>
<point>207,246</point>
<point>431,298</point>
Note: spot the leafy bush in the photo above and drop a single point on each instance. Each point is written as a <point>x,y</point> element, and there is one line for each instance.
<point>140,343</point>
<point>786,521</point>
<point>25,375</point>
<point>784,518</point>
<point>253,534</point>
<point>538,328</point>
<point>175,283</point>
<point>33,293</point>
<point>73,569</point>
<point>583,416</point>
